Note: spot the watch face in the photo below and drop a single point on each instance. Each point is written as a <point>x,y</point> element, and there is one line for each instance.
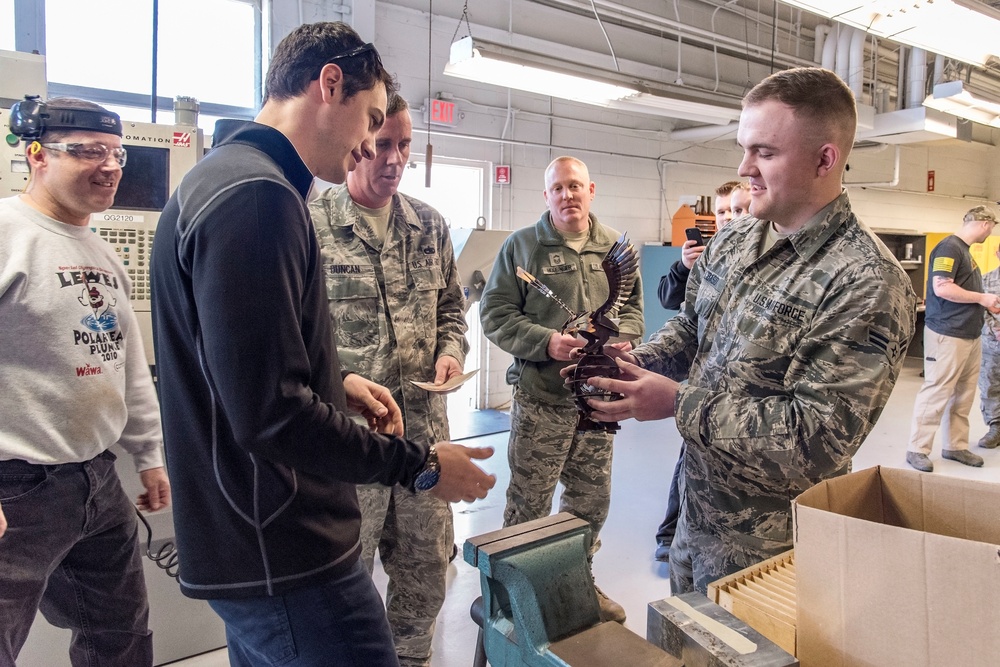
<point>427,479</point>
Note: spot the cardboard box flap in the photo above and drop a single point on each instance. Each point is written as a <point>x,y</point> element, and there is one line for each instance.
<point>857,495</point>
<point>935,504</point>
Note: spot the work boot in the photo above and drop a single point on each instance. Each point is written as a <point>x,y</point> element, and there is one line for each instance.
<point>920,461</point>
<point>963,456</point>
<point>991,439</point>
<point>662,553</point>
<point>610,610</point>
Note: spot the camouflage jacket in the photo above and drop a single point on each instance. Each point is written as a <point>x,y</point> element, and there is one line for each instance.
<point>395,309</point>
<point>520,320</point>
<point>991,322</point>
<point>790,358</point>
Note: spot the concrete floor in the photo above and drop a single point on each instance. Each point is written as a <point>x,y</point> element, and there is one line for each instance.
<point>645,454</point>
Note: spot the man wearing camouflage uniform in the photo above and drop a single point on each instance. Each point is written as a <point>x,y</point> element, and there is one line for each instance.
<point>791,338</point>
<point>564,250</point>
<point>989,372</point>
<point>397,303</point>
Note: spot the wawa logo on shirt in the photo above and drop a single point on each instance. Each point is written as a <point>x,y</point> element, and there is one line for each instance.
<point>100,320</point>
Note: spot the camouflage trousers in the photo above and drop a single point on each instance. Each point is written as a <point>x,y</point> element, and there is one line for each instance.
<point>989,381</point>
<point>705,550</point>
<point>697,557</point>
<point>544,449</point>
<point>414,535</point>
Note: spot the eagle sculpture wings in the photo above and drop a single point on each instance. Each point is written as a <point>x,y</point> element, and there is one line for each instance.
<point>597,328</point>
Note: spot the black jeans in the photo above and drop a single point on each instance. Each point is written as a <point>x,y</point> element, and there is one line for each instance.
<point>71,550</point>
<point>665,533</point>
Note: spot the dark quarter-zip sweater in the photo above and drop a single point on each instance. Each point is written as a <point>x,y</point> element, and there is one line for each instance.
<point>261,455</point>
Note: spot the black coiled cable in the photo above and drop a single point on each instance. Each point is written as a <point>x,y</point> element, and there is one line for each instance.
<point>166,556</point>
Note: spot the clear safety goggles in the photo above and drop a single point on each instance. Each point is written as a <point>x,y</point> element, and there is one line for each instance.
<point>92,152</point>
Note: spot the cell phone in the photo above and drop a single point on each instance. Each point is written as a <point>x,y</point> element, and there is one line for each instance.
<point>694,234</point>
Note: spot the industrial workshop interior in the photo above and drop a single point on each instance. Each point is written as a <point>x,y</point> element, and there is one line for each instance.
<point>815,407</point>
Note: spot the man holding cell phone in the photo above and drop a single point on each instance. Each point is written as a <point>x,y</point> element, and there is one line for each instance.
<point>672,285</point>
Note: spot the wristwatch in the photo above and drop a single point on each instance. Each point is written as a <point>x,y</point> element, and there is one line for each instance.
<point>428,478</point>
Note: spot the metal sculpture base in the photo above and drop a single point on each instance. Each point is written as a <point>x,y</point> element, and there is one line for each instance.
<point>593,365</point>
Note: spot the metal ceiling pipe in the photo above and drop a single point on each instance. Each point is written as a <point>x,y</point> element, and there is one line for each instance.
<point>884,184</point>
<point>856,63</point>
<point>829,57</point>
<point>938,69</point>
<point>916,81</point>
<point>844,51</point>
<point>901,78</point>
<point>819,47</point>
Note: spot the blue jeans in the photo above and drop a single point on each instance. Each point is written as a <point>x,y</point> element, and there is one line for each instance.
<point>71,550</point>
<point>341,622</point>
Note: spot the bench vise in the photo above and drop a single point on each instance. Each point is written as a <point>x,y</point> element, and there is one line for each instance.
<point>539,604</point>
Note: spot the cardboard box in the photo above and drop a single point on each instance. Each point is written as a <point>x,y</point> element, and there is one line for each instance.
<point>897,567</point>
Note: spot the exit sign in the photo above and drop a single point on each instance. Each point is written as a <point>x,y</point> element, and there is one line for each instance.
<point>441,112</point>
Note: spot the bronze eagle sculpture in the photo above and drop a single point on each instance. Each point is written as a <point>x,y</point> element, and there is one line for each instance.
<point>596,327</point>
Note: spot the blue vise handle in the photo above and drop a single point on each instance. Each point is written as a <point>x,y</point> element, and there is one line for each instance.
<point>539,604</point>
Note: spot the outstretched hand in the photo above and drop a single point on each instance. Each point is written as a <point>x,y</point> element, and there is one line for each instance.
<point>646,395</point>
<point>374,403</point>
<point>461,479</point>
<point>3,523</point>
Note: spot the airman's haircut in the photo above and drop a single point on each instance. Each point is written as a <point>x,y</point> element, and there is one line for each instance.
<point>816,94</point>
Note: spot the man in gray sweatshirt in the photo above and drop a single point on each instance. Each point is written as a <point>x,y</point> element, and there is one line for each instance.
<point>75,382</point>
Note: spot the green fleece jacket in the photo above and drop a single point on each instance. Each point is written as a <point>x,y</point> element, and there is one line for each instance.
<point>520,320</point>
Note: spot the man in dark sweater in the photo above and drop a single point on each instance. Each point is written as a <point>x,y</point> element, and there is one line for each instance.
<point>254,402</point>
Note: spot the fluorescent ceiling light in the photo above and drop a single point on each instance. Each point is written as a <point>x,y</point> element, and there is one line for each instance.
<point>676,108</point>
<point>940,26</point>
<point>951,97</point>
<point>493,66</point>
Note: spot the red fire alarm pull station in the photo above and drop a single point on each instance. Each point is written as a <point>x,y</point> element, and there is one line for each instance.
<point>502,174</point>
<point>930,181</point>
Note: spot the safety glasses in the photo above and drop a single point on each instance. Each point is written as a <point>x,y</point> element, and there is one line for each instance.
<point>92,152</point>
<point>353,53</point>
